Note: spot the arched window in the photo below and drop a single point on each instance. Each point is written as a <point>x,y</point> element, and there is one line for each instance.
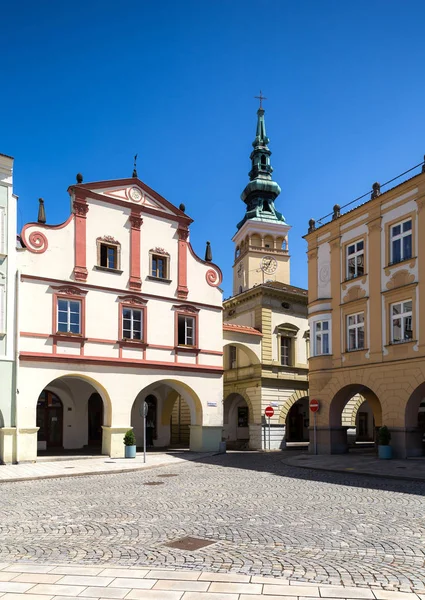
<point>263,160</point>
<point>237,252</point>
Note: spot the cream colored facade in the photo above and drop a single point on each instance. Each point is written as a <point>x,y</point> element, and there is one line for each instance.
<point>366,280</point>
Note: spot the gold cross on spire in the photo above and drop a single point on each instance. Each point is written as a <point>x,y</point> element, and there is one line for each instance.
<point>261,98</point>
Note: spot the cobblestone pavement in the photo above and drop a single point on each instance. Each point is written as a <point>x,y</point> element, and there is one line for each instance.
<point>266,518</point>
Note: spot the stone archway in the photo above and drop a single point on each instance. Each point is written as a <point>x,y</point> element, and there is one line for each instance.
<point>236,420</point>
<point>415,422</point>
<point>289,402</point>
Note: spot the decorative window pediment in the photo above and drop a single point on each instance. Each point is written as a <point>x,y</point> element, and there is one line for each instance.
<point>185,308</point>
<point>287,330</point>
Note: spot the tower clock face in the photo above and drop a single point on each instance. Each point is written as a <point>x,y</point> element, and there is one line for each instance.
<point>268,264</point>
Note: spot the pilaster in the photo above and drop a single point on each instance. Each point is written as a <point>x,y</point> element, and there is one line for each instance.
<point>335,245</point>
<point>80,208</point>
<point>182,289</point>
<point>135,282</point>
<point>374,269</point>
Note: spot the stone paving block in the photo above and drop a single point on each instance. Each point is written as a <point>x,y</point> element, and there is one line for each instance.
<point>211,596</point>
<point>270,580</point>
<point>26,597</point>
<point>133,573</point>
<point>77,570</point>
<point>230,577</point>
<point>264,597</point>
<point>154,595</point>
<point>185,586</point>
<point>56,590</point>
<point>85,580</point>
<point>236,588</point>
<point>127,582</point>
<point>181,575</point>
<point>292,590</point>
<point>35,577</point>
<point>4,565</point>
<point>330,591</point>
<point>11,586</point>
<point>104,592</point>
<point>390,595</point>
<point>23,568</point>
<point>5,576</point>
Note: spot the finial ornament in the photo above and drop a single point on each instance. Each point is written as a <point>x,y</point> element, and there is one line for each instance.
<point>208,253</point>
<point>337,212</point>
<point>182,207</point>
<point>261,98</point>
<point>41,212</point>
<point>376,190</point>
<point>423,165</point>
<point>311,226</point>
<point>135,166</point>
<point>79,178</point>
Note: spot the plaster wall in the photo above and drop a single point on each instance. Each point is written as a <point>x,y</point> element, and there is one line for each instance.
<point>323,270</point>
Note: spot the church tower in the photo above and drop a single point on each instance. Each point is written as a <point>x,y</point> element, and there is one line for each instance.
<point>261,242</point>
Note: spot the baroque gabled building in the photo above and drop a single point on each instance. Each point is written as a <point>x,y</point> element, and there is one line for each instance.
<point>265,321</point>
<point>116,309</point>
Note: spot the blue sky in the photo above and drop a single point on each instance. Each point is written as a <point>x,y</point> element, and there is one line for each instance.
<point>86,85</point>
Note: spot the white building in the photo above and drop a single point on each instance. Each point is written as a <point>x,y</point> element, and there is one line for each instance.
<point>7,309</point>
<point>116,309</point>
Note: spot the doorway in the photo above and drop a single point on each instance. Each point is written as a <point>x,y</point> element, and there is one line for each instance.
<point>95,416</point>
<point>49,421</point>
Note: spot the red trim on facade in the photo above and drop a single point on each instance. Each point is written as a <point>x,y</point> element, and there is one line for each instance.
<point>41,226</point>
<point>213,279</point>
<point>140,304</point>
<point>80,208</point>
<point>127,362</point>
<point>182,289</point>
<point>135,282</point>
<point>69,293</point>
<point>241,329</point>
<point>187,311</point>
<point>115,290</point>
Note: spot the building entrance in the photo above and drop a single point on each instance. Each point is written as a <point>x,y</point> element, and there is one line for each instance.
<point>49,420</point>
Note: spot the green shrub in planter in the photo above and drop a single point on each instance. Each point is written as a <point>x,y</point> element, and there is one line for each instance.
<point>129,438</point>
<point>384,436</point>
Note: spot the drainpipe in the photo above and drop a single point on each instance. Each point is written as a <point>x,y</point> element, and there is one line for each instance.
<point>17,288</point>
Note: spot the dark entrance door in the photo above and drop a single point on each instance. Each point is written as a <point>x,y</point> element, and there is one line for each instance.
<point>95,416</point>
<point>50,419</point>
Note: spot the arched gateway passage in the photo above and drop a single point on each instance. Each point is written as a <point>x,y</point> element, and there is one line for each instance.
<point>70,413</point>
<point>415,422</point>
<point>236,419</point>
<point>354,407</point>
<point>173,407</point>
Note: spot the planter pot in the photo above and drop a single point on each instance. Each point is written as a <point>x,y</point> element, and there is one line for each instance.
<point>130,451</point>
<point>385,452</point>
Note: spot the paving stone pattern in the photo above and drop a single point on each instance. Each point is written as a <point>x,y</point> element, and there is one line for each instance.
<point>266,519</point>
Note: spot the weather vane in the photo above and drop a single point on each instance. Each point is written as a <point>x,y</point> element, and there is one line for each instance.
<point>261,98</point>
<point>135,165</point>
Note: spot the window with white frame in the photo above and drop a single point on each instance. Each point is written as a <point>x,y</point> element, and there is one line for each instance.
<point>355,332</point>
<point>321,338</point>
<point>132,323</point>
<point>355,259</point>
<point>401,241</point>
<point>232,357</point>
<point>285,351</point>
<point>69,316</point>
<point>401,322</point>
<point>185,330</point>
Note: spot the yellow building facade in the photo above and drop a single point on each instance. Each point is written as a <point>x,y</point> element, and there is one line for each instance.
<point>366,292</point>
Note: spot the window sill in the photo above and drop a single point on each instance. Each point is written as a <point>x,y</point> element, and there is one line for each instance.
<point>108,270</point>
<point>400,262</point>
<point>132,343</point>
<point>160,279</point>
<point>188,349</point>
<point>354,350</point>
<point>349,279</point>
<point>401,343</point>
<point>69,337</point>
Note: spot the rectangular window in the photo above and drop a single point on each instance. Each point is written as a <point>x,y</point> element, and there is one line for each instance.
<point>401,322</point>
<point>321,338</point>
<point>69,316</point>
<point>355,259</point>
<point>355,332</point>
<point>232,357</point>
<point>285,351</point>
<point>186,331</point>
<point>132,328</point>
<point>401,241</point>
<point>108,256</point>
<point>159,266</point>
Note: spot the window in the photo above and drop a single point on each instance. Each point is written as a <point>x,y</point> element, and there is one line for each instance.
<point>355,259</point>
<point>355,332</point>
<point>401,241</point>
<point>186,330</point>
<point>321,338</point>
<point>69,316</point>
<point>285,351</point>
<point>401,322</point>
<point>159,266</point>
<point>108,256</point>
<point>232,357</point>
<point>132,328</point>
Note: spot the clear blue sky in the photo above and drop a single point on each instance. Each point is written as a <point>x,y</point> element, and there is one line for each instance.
<point>86,85</point>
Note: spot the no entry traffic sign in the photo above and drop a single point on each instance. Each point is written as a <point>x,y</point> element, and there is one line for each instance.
<point>269,412</point>
<point>314,405</point>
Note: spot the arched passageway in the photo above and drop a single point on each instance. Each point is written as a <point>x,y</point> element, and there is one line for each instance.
<point>415,422</point>
<point>355,413</point>
<point>173,410</point>
<point>297,422</point>
<point>236,422</point>
<point>70,415</point>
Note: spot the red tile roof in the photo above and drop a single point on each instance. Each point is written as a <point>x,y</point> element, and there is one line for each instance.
<point>241,329</point>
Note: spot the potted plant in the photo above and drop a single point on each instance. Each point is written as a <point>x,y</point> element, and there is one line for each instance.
<point>384,449</point>
<point>130,444</point>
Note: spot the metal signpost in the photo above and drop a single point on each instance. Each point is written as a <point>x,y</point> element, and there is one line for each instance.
<point>144,407</point>
<point>314,407</point>
<point>269,412</point>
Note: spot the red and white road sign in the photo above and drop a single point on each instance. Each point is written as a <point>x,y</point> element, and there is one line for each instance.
<point>314,405</point>
<point>269,412</point>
